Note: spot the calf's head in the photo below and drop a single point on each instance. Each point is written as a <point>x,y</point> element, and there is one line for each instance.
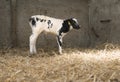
<point>74,23</point>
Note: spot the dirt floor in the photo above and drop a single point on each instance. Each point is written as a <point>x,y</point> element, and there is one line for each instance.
<point>75,65</point>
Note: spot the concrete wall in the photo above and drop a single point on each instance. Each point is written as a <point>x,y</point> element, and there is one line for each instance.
<point>104,21</point>
<point>99,20</point>
<point>5,23</point>
<point>55,8</point>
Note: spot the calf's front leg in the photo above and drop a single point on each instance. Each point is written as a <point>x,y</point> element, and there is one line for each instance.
<point>59,41</point>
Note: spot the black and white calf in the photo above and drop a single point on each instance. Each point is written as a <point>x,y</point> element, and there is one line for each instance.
<point>59,27</point>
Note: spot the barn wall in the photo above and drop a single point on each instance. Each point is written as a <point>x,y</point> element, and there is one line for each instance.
<point>104,21</point>
<point>55,8</point>
<point>99,20</point>
<point>5,23</point>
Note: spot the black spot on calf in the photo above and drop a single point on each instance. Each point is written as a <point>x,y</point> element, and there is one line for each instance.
<point>37,19</point>
<point>41,20</point>
<point>49,22</point>
<point>65,27</point>
<point>33,22</point>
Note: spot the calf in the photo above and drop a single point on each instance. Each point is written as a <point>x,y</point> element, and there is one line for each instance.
<point>59,27</point>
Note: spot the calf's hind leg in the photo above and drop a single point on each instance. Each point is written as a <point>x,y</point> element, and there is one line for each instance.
<point>32,43</point>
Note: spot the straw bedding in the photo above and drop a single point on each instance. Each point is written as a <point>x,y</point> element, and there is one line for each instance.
<point>75,65</point>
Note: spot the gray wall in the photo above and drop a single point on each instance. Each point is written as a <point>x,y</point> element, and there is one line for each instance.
<point>55,8</point>
<point>104,20</point>
<point>5,23</point>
